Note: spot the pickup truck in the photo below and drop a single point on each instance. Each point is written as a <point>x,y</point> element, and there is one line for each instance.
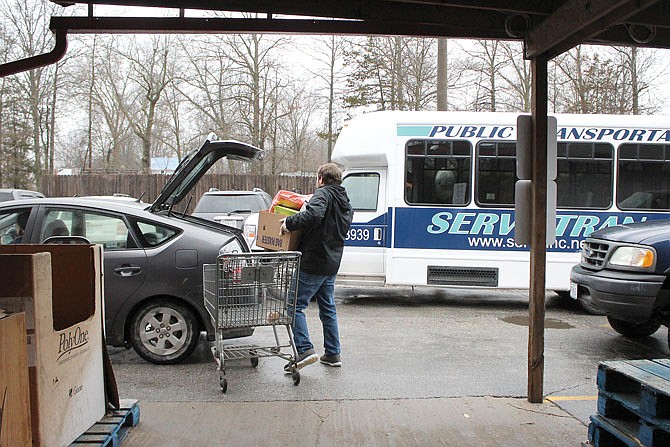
<point>625,273</point>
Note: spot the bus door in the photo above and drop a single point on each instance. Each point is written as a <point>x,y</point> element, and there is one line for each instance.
<point>364,258</point>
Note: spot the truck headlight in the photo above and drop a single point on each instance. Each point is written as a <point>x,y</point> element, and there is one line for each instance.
<point>633,257</point>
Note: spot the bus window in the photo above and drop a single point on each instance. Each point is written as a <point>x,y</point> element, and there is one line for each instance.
<point>644,177</point>
<point>437,172</point>
<point>584,175</point>
<point>363,190</point>
<point>496,173</point>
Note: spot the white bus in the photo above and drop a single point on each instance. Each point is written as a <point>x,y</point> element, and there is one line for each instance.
<point>433,194</point>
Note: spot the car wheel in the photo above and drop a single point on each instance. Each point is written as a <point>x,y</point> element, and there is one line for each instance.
<point>634,330</point>
<point>163,332</point>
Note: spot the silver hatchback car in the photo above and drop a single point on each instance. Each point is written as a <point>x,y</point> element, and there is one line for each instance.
<point>153,254</point>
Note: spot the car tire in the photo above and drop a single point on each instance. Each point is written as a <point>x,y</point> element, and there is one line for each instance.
<point>163,331</point>
<point>634,330</point>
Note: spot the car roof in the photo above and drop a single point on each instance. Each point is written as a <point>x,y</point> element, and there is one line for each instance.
<point>21,191</point>
<point>90,202</point>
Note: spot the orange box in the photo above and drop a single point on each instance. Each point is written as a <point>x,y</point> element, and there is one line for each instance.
<point>268,233</point>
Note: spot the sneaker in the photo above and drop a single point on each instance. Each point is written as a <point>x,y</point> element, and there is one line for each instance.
<point>306,358</point>
<point>331,360</point>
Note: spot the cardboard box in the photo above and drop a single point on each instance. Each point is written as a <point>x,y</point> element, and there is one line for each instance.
<point>59,287</point>
<point>14,391</point>
<point>268,233</point>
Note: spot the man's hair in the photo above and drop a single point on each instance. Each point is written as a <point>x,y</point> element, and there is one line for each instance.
<point>330,174</point>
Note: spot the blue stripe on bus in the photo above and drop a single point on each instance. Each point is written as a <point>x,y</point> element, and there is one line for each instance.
<point>486,229</point>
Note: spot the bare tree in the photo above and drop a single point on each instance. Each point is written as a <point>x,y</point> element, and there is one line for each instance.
<point>153,69</point>
<point>298,139</point>
<point>104,85</point>
<point>393,73</point>
<point>597,80</point>
<point>637,67</point>
<point>572,85</point>
<point>207,83</point>
<point>442,74</point>
<point>31,36</point>
<point>259,86</point>
<point>420,77</point>
<point>516,76</point>
<point>328,69</point>
<point>485,63</point>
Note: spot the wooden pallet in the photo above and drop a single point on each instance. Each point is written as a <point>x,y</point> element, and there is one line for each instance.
<point>111,430</point>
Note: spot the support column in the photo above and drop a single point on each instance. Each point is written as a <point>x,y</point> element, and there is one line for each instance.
<point>538,236</point>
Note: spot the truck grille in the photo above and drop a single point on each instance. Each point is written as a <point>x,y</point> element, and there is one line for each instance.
<point>594,253</point>
<point>463,276</point>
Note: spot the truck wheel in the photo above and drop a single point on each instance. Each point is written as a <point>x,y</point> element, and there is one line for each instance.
<point>634,330</point>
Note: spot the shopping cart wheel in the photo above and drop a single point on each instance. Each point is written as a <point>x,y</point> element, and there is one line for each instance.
<point>295,374</point>
<point>254,361</point>
<point>224,384</point>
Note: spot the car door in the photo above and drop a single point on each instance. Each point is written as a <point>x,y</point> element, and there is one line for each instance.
<point>124,260</point>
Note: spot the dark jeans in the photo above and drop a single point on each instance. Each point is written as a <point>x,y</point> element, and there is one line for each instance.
<point>321,287</point>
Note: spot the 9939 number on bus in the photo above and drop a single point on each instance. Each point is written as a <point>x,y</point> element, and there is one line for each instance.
<point>358,234</point>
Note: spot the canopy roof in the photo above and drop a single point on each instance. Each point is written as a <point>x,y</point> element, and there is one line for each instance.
<point>547,27</point>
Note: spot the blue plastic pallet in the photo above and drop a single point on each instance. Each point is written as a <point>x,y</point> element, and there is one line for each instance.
<point>607,433</point>
<point>112,429</point>
<point>633,404</point>
<point>642,386</point>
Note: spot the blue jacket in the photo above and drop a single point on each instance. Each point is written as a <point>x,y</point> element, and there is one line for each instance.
<point>324,224</point>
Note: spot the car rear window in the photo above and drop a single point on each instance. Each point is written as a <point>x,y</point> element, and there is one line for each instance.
<point>242,203</point>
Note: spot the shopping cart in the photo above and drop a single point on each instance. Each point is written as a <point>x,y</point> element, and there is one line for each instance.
<point>251,290</point>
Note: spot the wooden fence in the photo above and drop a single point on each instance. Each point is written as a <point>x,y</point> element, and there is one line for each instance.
<point>149,186</point>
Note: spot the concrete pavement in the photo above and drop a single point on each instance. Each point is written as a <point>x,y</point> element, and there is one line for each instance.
<point>445,369</point>
<point>464,421</point>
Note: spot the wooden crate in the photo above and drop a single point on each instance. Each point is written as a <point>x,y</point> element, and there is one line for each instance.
<point>59,287</point>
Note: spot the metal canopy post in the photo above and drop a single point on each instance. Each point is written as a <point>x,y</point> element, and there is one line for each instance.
<point>538,236</point>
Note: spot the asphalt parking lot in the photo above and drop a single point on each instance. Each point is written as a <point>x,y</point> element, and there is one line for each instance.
<point>401,345</point>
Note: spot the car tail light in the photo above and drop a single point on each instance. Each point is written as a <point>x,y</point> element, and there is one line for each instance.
<point>250,232</point>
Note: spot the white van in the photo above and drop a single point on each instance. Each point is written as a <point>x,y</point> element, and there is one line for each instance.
<point>433,194</point>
